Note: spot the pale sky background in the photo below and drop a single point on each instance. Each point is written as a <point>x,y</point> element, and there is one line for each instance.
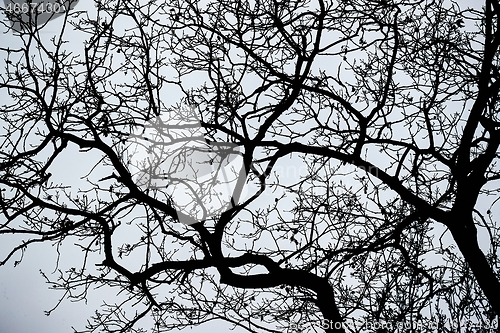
<point>24,295</point>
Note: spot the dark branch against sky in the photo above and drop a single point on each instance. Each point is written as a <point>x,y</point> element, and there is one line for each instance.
<point>277,166</point>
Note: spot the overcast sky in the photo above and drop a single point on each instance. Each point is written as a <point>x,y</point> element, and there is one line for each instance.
<point>24,295</point>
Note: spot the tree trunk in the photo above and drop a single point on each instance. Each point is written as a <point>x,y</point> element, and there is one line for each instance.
<point>332,322</point>
<point>465,236</point>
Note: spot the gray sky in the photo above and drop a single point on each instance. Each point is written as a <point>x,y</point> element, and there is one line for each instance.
<point>24,295</point>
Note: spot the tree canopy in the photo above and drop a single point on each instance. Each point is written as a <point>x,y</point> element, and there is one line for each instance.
<point>364,138</point>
